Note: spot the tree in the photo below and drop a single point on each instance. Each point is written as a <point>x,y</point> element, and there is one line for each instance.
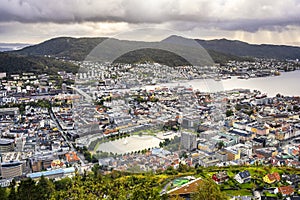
<point>44,189</point>
<point>161,144</point>
<point>170,171</point>
<point>3,193</point>
<point>63,184</point>
<point>220,145</point>
<point>95,169</point>
<point>183,168</point>
<point>229,113</point>
<point>26,189</point>
<point>12,194</point>
<point>208,190</point>
<point>177,197</point>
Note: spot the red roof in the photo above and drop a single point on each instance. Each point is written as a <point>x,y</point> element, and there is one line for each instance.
<point>274,177</point>
<point>72,157</point>
<point>286,190</point>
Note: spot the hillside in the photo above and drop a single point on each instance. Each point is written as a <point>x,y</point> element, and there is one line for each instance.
<point>220,50</point>
<point>239,48</point>
<point>63,47</point>
<point>79,48</point>
<point>32,58</point>
<point>13,63</point>
<point>152,55</point>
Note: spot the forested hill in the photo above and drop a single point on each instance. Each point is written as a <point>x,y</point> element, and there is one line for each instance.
<point>243,49</point>
<point>239,48</point>
<point>42,58</point>
<point>78,48</point>
<point>14,63</point>
<point>221,50</point>
<point>63,47</point>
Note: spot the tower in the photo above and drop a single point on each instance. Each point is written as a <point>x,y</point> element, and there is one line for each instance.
<point>188,141</point>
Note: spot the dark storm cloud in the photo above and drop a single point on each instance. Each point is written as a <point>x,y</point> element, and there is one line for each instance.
<point>223,14</point>
<point>57,11</point>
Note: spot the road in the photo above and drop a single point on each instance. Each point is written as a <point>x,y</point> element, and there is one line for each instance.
<point>82,93</point>
<point>65,137</point>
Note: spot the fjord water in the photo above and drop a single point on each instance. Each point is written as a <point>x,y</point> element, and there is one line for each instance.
<point>288,83</point>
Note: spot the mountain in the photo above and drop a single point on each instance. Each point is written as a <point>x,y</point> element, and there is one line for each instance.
<point>215,54</point>
<point>14,63</point>
<point>68,48</point>
<point>79,48</point>
<point>63,47</point>
<point>242,49</point>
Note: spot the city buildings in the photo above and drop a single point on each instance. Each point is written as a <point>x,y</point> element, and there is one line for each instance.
<point>11,169</point>
<point>60,123</point>
<point>188,141</point>
<point>6,145</point>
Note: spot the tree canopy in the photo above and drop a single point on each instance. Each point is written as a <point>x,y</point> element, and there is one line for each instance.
<point>208,190</point>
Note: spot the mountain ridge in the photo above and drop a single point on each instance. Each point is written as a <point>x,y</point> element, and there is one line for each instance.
<point>33,58</point>
<point>64,47</point>
<point>78,48</point>
<point>240,48</point>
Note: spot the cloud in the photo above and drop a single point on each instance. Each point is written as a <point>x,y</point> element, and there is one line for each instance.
<point>258,21</point>
<point>225,14</point>
<point>38,32</point>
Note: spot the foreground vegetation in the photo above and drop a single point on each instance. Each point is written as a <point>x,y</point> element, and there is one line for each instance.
<point>123,185</point>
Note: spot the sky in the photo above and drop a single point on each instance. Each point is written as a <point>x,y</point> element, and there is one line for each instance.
<point>253,21</point>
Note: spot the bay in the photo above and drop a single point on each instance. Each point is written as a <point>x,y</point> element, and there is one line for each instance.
<point>288,84</point>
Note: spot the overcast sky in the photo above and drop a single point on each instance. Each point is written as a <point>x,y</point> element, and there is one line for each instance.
<point>253,21</point>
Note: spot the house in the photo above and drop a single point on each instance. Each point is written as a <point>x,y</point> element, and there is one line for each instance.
<point>220,177</point>
<point>285,190</point>
<point>233,153</point>
<point>292,179</point>
<point>72,157</point>
<point>256,195</point>
<point>243,177</point>
<point>267,152</point>
<point>271,178</point>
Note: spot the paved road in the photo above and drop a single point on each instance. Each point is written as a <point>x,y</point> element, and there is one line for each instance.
<point>82,93</point>
<point>65,137</point>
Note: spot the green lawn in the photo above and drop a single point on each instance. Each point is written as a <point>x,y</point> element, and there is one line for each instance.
<point>268,194</point>
<point>241,192</point>
<point>249,186</point>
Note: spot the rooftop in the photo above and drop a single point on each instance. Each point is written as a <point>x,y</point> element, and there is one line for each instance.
<point>187,188</point>
<point>4,141</point>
